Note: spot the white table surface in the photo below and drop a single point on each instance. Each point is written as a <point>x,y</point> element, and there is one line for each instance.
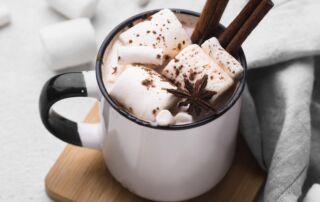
<point>27,149</point>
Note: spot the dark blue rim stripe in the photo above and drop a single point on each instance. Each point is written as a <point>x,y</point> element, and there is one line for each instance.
<point>129,21</point>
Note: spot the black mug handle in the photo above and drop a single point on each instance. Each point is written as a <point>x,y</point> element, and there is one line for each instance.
<point>67,85</point>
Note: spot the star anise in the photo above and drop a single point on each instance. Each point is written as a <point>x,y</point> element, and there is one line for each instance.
<point>196,96</point>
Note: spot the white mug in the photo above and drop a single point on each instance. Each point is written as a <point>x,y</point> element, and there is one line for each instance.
<point>163,163</point>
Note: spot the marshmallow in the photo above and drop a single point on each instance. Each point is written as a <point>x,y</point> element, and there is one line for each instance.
<point>183,118</point>
<point>140,54</point>
<point>4,15</point>
<point>175,37</point>
<point>74,8</point>
<point>162,30</point>
<point>213,48</point>
<point>140,34</point>
<point>164,118</point>
<point>313,194</point>
<point>112,69</point>
<point>193,63</point>
<point>143,92</point>
<point>69,43</point>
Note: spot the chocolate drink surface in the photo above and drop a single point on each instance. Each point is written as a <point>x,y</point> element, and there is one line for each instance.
<point>153,71</point>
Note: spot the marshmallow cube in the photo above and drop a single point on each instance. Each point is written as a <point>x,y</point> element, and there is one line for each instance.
<point>313,194</point>
<point>140,54</point>
<point>4,15</point>
<point>74,8</point>
<point>193,63</point>
<point>143,92</point>
<point>164,118</point>
<point>183,118</point>
<point>161,30</point>
<point>230,65</point>
<point>69,43</point>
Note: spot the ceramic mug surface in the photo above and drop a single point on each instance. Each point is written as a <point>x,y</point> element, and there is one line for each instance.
<point>163,163</point>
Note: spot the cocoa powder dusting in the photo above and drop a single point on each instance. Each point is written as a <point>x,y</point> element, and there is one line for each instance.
<point>154,112</point>
<point>177,72</point>
<point>148,83</point>
<point>192,75</point>
<point>115,69</point>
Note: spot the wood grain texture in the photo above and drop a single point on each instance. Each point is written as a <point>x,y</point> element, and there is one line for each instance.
<point>80,174</point>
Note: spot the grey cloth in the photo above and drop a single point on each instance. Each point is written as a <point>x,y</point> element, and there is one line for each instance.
<point>283,85</point>
<point>276,121</point>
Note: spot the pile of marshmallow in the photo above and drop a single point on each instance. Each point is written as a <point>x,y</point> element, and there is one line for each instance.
<point>71,43</point>
<point>161,43</point>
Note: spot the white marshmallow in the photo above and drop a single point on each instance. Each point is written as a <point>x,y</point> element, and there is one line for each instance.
<point>175,36</point>
<point>213,48</point>
<point>162,30</point>
<point>140,55</point>
<point>74,8</point>
<point>143,92</point>
<point>183,118</point>
<point>5,17</point>
<point>164,118</point>
<point>193,63</point>
<point>69,43</point>
<point>140,34</point>
<point>313,194</point>
<point>112,69</point>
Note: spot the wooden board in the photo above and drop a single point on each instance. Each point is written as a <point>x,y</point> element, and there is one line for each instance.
<point>80,174</point>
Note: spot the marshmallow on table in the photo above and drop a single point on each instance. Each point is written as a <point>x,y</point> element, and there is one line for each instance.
<point>213,48</point>
<point>140,54</point>
<point>143,92</point>
<point>183,118</point>
<point>4,15</point>
<point>193,63</point>
<point>69,43</point>
<point>164,118</point>
<point>161,30</point>
<point>313,194</point>
<point>74,8</point>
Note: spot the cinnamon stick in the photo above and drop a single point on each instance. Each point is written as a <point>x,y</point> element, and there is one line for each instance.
<point>251,23</point>
<point>228,34</point>
<point>209,20</point>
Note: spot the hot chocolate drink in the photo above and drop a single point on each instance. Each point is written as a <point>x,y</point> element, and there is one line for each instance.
<point>154,72</point>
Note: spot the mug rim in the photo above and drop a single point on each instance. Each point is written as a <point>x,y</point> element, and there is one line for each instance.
<point>99,62</point>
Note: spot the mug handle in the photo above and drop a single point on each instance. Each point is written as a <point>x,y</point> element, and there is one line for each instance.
<point>67,85</point>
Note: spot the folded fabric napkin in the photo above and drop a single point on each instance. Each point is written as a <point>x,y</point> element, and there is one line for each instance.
<point>280,117</point>
<point>281,130</point>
